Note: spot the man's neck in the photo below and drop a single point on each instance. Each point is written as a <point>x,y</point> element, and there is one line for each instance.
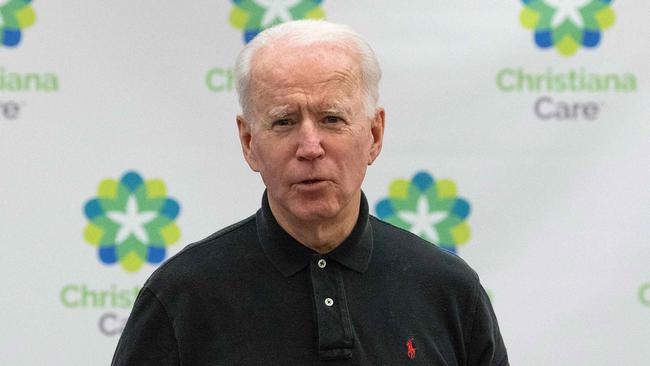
<point>322,235</point>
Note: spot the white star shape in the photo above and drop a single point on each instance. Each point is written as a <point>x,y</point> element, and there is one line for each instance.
<point>277,9</point>
<point>131,221</point>
<point>422,221</point>
<point>567,9</point>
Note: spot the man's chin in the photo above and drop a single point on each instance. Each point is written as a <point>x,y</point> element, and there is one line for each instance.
<point>314,212</point>
<point>310,205</point>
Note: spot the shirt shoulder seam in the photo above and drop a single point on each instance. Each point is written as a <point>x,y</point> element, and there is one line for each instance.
<point>406,232</point>
<point>220,233</point>
<point>208,240</point>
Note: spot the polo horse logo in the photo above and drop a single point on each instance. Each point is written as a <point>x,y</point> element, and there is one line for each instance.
<point>410,349</point>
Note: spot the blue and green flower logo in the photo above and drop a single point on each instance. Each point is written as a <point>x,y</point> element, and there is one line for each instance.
<point>253,16</point>
<point>131,221</point>
<point>15,15</point>
<point>567,24</point>
<point>428,208</point>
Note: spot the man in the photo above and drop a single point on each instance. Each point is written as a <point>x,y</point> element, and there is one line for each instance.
<point>311,278</point>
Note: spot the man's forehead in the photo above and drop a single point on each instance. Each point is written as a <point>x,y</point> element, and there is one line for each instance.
<point>327,73</point>
<point>287,60</point>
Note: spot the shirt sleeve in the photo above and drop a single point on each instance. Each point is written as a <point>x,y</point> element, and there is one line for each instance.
<point>486,347</point>
<point>148,337</point>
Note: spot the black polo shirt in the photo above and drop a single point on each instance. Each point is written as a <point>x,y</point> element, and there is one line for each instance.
<point>250,294</point>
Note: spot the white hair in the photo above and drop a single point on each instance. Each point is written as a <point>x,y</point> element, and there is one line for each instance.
<point>303,33</point>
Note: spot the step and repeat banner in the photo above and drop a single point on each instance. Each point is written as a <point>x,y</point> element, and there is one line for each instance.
<point>517,137</point>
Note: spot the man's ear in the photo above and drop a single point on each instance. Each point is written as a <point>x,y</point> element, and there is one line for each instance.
<point>377,132</point>
<point>246,140</point>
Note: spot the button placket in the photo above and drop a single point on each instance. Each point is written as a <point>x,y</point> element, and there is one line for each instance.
<point>332,318</point>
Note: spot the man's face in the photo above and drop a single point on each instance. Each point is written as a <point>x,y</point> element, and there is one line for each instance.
<point>308,135</point>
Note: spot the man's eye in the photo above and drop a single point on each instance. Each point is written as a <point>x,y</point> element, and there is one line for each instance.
<point>282,122</point>
<point>332,119</point>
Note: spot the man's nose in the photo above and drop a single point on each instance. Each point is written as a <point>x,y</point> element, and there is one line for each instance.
<point>309,141</point>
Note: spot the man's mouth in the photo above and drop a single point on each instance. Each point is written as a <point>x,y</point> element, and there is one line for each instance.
<point>310,181</point>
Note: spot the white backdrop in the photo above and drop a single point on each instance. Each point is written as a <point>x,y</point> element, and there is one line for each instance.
<point>560,209</point>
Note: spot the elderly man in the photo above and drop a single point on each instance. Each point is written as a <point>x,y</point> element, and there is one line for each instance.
<point>311,278</point>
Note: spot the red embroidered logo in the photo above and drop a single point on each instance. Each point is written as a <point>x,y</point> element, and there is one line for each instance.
<point>410,349</point>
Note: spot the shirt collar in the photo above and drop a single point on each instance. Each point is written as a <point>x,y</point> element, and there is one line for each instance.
<point>289,256</point>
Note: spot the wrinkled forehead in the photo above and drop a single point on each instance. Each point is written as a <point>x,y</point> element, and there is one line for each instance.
<point>280,65</point>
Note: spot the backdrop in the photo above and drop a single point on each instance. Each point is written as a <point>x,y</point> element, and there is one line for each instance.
<point>516,136</point>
